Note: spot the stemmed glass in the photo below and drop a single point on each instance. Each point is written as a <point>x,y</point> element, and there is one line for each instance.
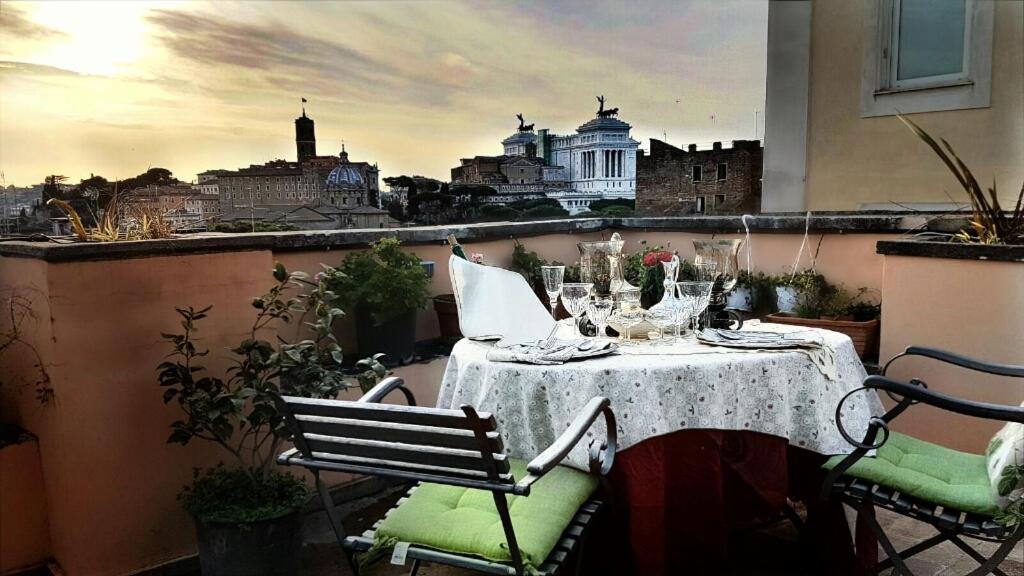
<point>575,298</point>
<point>695,296</point>
<point>598,311</point>
<point>553,276</point>
<point>706,271</point>
<point>630,312</point>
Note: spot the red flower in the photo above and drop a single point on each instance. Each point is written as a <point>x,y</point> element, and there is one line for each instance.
<point>651,259</point>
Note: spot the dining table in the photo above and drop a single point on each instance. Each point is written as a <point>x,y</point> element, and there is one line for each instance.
<point>711,439</point>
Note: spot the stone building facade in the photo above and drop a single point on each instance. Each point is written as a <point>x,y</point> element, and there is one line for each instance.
<point>330,184</point>
<point>674,181</point>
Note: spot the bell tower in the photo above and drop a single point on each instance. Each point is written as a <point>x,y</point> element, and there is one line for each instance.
<point>305,137</point>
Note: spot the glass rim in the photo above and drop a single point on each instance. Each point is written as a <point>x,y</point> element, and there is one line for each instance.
<point>574,284</point>
<point>552,267</point>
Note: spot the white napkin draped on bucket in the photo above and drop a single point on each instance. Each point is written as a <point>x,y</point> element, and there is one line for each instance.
<point>496,304</point>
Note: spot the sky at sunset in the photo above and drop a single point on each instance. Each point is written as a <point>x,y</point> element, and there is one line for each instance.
<point>115,88</point>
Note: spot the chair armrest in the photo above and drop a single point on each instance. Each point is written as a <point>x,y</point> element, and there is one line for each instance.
<point>601,455</point>
<point>950,403</point>
<point>960,360</point>
<point>385,387</point>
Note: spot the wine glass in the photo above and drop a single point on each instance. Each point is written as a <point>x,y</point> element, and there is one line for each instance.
<point>575,297</point>
<point>598,311</point>
<point>705,271</point>
<point>630,312</point>
<point>553,276</point>
<point>695,296</point>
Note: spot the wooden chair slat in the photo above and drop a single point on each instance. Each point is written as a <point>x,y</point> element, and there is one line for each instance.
<point>389,451</point>
<point>394,413</point>
<point>374,463</point>
<point>458,438</point>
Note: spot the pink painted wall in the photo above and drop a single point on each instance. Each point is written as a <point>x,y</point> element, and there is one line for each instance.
<point>973,307</point>
<point>24,526</point>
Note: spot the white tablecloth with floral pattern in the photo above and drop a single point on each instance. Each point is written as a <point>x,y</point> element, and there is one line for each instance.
<point>780,393</point>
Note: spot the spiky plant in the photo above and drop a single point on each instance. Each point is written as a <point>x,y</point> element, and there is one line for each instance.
<point>990,223</point>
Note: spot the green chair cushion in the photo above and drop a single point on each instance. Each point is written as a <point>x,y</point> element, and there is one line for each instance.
<point>929,472</point>
<point>465,521</point>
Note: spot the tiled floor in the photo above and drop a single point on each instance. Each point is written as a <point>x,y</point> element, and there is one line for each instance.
<point>772,551</point>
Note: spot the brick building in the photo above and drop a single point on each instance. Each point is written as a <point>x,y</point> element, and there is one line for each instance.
<point>673,181</point>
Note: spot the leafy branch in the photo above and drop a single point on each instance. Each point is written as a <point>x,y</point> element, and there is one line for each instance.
<point>237,412</point>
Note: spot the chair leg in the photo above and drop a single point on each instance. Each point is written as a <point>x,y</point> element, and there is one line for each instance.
<point>865,511</point>
<point>335,521</point>
<point>990,565</point>
<point>415,567</point>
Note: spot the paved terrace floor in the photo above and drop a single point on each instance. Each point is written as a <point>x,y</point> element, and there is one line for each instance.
<point>770,551</point>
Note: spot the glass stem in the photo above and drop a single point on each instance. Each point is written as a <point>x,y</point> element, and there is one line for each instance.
<point>554,307</point>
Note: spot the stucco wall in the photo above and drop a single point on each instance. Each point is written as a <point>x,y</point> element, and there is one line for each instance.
<point>852,160</point>
<point>972,307</point>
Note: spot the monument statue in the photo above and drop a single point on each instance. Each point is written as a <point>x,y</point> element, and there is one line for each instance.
<point>523,126</point>
<point>602,113</point>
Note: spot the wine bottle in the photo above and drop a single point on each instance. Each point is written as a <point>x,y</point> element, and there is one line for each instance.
<point>456,247</point>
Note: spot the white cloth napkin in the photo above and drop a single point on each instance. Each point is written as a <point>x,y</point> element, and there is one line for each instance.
<point>553,352</point>
<point>496,304</point>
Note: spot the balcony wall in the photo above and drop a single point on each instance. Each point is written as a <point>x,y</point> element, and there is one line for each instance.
<point>110,477</point>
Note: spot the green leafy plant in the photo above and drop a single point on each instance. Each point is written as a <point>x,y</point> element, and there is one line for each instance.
<point>385,281</point>
<point>237,412</point>
<point>990,223</point>
<point>235,495</point>
<point>371,371</point>
<point>528,264</point>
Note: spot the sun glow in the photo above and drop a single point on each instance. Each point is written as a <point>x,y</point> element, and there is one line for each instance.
<point>102,38</point>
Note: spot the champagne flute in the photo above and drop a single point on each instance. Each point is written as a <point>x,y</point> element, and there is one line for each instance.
<point>598,311</point>
<point>696,296</point>
<point>553,276</point>
<point>575,297</point>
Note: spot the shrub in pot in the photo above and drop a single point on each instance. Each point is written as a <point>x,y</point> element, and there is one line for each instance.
<point>822,305</point>
<point>249,515</point>
<point>383,288</point>
<point>752,291</point>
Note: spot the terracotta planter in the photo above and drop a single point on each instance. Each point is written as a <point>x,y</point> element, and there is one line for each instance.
<point>447,317</point>
<point>864,334</point>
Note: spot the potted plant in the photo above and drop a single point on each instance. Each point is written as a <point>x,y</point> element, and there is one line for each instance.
<point>383,288</point>
<point>751,290</point>
<point>821,305</point>
<point>248,515</point>
<point>791,288</point>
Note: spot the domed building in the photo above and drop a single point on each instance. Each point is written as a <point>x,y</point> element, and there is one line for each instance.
<point>351,184</point>
<point>314,192</point>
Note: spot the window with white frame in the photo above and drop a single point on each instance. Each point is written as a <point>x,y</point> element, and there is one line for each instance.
<point>926,55</point>
<point>700,205</point>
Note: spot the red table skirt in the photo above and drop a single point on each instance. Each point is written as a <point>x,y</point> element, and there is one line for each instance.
<point>678,496</point>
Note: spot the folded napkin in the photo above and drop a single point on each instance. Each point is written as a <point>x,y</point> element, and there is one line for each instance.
<point>496,304</point>
<point>807,343</point>
<point>552,352</point>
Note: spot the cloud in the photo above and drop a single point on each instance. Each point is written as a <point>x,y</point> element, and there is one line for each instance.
<point>28,69</point>
<point>14,23</point>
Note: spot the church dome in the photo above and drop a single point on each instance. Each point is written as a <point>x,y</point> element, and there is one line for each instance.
<point>345,176</point>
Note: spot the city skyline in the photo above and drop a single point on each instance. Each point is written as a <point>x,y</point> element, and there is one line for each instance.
<point>112,90</point>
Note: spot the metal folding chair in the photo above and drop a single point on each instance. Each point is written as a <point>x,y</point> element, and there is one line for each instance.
<point>865,495</point>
